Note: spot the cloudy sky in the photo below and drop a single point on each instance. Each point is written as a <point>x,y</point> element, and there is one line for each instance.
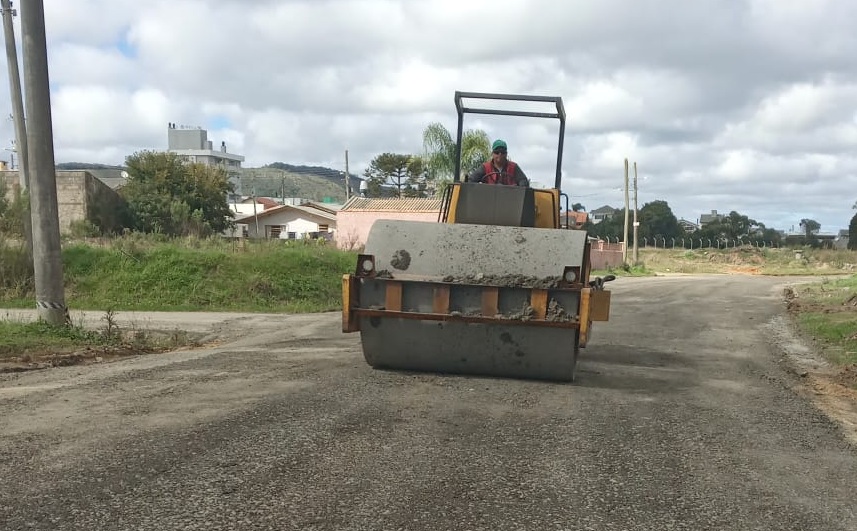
<point>747,105</point>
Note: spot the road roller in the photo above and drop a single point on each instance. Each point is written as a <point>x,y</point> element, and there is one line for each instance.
<point>500,285</point>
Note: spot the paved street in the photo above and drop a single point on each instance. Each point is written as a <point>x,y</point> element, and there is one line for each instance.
<point>682,419</point>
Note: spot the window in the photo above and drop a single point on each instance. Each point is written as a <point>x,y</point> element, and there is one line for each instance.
<point>323,228</point>
<point>275,231</point>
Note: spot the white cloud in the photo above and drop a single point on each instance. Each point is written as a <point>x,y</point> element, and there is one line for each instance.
<point>746,105</point>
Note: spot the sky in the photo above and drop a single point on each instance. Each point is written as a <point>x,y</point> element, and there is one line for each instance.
<point>745,105</point>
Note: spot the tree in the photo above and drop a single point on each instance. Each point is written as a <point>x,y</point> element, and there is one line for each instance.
<point>405,172</point>
<point>577,207</point>
<point>609,229</point>
<point>810,227</point>
<point>658,221</point>
<point>168,195</point>
<point>439,153</point>
<point>13,213</point>
<point>852,233</point>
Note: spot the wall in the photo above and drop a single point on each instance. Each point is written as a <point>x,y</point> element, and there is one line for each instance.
<point>352,227</point>
<point>81,196</point>
<point>104,206</point>
<point>9,183</point>
<point>603,255</point>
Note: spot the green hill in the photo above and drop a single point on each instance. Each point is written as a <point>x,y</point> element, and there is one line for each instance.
<point>308,182</point>
<point>315,183</point>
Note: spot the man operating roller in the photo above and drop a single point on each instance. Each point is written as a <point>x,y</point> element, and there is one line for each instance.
<point>499,170</point>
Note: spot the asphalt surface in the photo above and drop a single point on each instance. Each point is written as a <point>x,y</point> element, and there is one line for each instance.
<point>682,419</point>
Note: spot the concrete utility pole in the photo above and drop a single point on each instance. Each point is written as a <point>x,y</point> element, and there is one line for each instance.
<point>47,250</point>
<point>15,91</point>
<point>625,241</point>
<point>347,178</point>
<point>636,223</point>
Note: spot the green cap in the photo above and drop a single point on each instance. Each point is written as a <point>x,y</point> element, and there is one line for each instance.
<point>499,144</point>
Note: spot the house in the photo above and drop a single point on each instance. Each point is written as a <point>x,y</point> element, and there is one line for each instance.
<point>705,219</point>
<point>576,220</point>
<point>81,197</point>
<point>603,213</point>
<point>357,215</point>
<point>841,240</point>
<point>688,226</point>
<point>291,222</point>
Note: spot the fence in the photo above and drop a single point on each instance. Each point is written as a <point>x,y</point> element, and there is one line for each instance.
<point>697,243</point>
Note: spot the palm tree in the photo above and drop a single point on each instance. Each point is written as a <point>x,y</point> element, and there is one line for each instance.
<point>439,147</point>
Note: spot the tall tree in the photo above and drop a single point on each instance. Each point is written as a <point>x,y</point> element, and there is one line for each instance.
<point>810,227</point>
<point>577,207</point>
<point>439,148</point>
<point>404,172</point>
<point>168,195</point>
<point>658,221</point>
<point>852,231</point>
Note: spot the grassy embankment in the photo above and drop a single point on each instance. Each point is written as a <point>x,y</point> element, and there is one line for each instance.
<point>827,312</point>
<point>147,274</point>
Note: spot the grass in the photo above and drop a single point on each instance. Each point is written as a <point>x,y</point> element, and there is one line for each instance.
<point>151,275</point>
<point>827,311</point>
<point>23,339</point>
<point>763,261</point>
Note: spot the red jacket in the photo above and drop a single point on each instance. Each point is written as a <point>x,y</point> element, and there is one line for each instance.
<point>506,176</point>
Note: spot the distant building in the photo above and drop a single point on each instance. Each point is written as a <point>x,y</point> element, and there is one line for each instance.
<point>603,213</point>
<point>573,219</point>
<point>841,240</point>
<point>705,219</point>
<point>193,145</point>
<point>688,226</point>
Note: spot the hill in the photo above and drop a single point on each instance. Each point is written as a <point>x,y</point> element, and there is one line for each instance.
<point>309,182</point>
<point>72,166</point>
<point>277,179</point>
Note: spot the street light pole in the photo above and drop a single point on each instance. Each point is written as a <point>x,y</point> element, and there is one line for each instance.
<point>47,249</point>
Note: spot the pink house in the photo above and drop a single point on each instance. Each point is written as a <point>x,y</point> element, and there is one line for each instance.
<point>356,217</point>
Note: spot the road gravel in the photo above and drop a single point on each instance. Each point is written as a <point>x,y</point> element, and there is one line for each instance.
<point>683,418</point>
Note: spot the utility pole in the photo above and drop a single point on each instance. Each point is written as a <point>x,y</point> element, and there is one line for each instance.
<point>625,241</point>
<point>15,91</point>
<point>636,223</point>
<point>20,146</point>
<point>47,249</point>
<point>347,178</point>
<point>256,214</point>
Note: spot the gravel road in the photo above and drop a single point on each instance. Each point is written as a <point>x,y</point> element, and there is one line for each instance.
<point>682,419</point>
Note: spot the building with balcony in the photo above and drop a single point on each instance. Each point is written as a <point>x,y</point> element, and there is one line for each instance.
<point>193,145</point>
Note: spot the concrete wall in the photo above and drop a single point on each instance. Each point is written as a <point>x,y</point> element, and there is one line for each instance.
<point>352,228</point>
<point>80,196</point>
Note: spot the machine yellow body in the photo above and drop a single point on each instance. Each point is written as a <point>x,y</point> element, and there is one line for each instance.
<point>499,286</point>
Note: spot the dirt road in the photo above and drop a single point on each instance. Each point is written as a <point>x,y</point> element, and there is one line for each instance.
<point>683,419</point>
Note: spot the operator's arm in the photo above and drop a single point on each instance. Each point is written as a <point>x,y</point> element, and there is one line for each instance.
<point>520,177</point>
<point>476,175</point>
